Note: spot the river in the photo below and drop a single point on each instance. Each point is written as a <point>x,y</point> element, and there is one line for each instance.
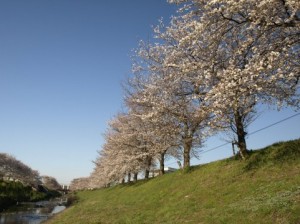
<point>32,213</point>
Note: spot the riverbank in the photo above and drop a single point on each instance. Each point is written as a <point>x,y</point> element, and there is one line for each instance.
<point>12,193</point>
<point>263,189</point>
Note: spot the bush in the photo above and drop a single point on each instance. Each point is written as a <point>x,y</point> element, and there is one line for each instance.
<point>6,202</point>
<point>72,199</point>
<point>13,192</point>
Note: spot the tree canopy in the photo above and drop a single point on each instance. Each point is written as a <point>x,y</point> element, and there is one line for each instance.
<point>205,72</point>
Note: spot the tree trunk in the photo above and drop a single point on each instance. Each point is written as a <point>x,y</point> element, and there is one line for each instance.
<point>162,163</point>
<point>148,165</point>
<point>123,180</point>
<point>128,177</point>
<point>241,134</point>
<point>187,145</point>
<point>135,175</point>
<point>147,174</point>
<point>233,151</point>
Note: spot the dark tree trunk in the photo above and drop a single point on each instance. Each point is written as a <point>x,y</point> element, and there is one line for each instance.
<point>162,163</point>
<point>187,145</point>
<point>147,174</point>
<point>128,177</point>
<point>241,134</point>
<point>148,165</point>
<point>135,175</point>
<point>123,180</point>
<point>233,151</point>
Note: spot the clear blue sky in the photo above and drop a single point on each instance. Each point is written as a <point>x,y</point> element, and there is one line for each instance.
<point>61,64</point>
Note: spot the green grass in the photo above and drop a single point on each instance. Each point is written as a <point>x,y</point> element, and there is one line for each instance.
<point>263,189</point>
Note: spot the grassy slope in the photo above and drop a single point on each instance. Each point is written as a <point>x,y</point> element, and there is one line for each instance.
<point>264,189</point>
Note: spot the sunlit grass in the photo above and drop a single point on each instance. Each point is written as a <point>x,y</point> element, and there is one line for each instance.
<point>264,189</point>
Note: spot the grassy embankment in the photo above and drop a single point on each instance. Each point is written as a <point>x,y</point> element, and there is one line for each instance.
<point>263,189</point>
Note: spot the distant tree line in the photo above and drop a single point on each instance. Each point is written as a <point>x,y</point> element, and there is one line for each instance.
<point>51,183</point>
<point>20,183</point>
<point>14,170</point>
<point>207,72</point>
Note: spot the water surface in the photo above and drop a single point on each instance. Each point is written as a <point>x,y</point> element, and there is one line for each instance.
<point>31,213</point>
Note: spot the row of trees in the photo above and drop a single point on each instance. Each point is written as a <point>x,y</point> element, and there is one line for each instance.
<point>83,183</point>
<point>207,72</point>
<point>51,183</point>
<point>14,170</point>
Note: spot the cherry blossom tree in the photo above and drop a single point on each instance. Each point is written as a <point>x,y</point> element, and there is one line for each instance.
<point>160,133</point>
<point>97,179</point>
<point>170,93</point>
<point>51,183</point>
<point>13,169</point>
<point>246,52</point>
<point>126,150</point>
<point>78,184</point>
